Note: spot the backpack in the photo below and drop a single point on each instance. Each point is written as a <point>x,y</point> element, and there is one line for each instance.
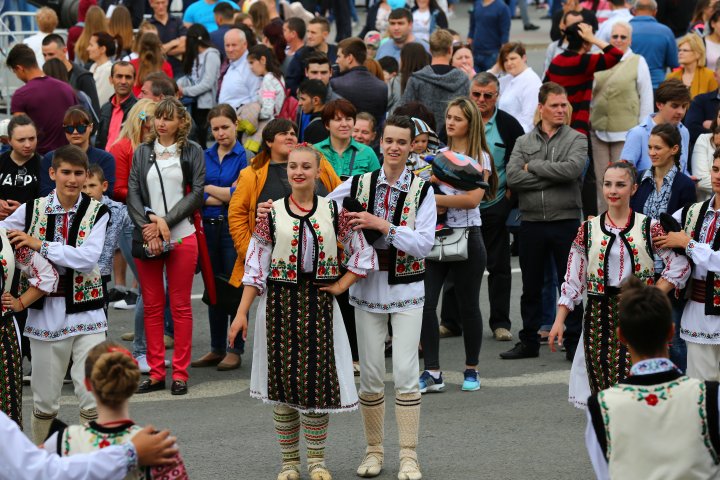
<point>289,107</point>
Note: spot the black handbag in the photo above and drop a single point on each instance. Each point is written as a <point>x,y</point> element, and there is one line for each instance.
<point>228,296</point>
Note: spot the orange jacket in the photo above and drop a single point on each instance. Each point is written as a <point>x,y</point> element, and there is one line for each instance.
<point>243,207</point>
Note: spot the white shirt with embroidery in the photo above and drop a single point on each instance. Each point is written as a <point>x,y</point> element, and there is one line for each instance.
<point>374,294</point>
<point>696,327</point>
<point>676,271</point>
<point>52,323</point>
<point>361,256</point>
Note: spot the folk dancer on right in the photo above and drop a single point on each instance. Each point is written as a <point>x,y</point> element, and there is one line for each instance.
<point>607,250</point>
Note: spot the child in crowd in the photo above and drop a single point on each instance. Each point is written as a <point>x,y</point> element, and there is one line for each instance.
<point>662,423</point>
<point>426,143</point>
<point>312,95</point>
<point>112,376</point>
<point>270,98</point>
<point>67,228</point>
<point>95,187</point>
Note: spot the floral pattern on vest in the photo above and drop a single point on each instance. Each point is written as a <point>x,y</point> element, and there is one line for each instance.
<point>637,240</point>
<point>696,223</point>
<point>286,261</point>
<point>83,290</point>
<point>8,268</point>
<point>399,206</point>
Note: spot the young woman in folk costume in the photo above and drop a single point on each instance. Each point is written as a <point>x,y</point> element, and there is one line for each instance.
<point>608,249</point>
<point>42,279</point>
<point>301,358</point>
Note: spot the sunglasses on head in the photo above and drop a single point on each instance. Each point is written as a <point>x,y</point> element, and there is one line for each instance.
<point>485,95</point>
<point>621,37</point>
<point>81,129</point>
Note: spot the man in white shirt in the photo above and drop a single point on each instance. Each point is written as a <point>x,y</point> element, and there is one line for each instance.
<point>47,21</point>
<point>240,84</point>
<point>619,11</point>
<point>25,461</point>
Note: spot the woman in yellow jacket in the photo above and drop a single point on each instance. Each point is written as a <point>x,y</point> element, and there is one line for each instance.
<point>265,179</point>
<point>693,72</point>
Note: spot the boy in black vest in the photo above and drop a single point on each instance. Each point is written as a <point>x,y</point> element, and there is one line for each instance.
<point>68,228</point>
<point>657,423</point>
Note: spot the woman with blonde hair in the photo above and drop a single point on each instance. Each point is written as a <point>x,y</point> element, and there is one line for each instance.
<point>95,21</point>
<point>167,181</point>
<point>693,72</point>
<point>120,25</point>
<point>466,138</point>
<point>150,60</point>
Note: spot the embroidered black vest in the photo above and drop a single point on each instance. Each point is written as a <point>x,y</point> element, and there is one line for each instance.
<point>692,221</point>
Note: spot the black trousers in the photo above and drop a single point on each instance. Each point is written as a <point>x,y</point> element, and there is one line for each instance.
<point>537,241</point>
<point>343,22</point>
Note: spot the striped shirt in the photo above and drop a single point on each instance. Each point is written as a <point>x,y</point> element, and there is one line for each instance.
<point>576,73</point>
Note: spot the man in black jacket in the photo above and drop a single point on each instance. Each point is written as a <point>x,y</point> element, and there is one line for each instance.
<point>355,83</point>
<point>53,46</point>
<point>113,113</point>
<point>501,131</point>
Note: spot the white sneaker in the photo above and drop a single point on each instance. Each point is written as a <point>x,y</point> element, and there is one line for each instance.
<point>167,362</point>
<point>142,364</point>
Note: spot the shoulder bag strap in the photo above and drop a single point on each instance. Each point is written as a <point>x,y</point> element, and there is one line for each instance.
<point>162,185</point>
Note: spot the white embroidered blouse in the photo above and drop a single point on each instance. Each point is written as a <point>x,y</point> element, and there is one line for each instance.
<point>361,256</point>
<point>676,271</point>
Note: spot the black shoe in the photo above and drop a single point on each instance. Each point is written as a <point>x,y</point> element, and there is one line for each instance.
<point>520,350</point>
<point>178,387</point>
<point>570,355</point>
<point>147,386</point>
<point>530,26</point>
<point>115,295</point>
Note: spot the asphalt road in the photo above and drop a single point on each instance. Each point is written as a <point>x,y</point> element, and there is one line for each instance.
<point>517,426</point>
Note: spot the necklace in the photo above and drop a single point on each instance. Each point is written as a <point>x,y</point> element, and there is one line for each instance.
<point>610,220</point>
<point>304,210</point>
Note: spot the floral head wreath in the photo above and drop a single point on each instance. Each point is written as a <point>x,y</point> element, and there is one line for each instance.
<point>302,145</point>
<point>121,349</point>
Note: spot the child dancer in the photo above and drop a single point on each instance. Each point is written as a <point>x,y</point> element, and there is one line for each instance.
<point>254,116</point>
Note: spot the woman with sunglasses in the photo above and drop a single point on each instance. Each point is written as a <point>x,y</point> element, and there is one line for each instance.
<point>622,97</point>
<point>78,127</point>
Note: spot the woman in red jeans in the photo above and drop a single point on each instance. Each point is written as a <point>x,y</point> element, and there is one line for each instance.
<point>163,170</point>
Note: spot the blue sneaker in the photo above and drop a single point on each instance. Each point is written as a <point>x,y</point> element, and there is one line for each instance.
<point>428,383</point>
<point>472,380</point>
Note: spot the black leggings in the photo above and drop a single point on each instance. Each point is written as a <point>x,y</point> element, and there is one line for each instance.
<point>468,275</point>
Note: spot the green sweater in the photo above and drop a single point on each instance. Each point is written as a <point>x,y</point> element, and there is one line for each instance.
<point>355,160</point>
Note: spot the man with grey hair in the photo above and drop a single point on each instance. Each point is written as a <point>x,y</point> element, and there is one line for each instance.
<point>239,85</point>
<point>501,131</point>
<point>653,40</point>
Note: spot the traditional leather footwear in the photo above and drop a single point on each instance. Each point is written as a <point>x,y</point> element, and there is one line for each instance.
<point>179,387</point>
<point>319,471</point>
<point>289,471</point>
<point>232,361</point>
<point>210,359</point>
<point>520,350</point>
<point>502,334</point>
<point>149,385</point>
<point>409,469</point>
<point>371,466</point>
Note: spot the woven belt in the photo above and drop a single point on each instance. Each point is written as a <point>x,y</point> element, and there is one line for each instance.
<point>698,291</point>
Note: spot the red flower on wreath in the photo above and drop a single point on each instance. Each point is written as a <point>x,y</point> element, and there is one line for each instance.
<point>400,268</point>
<point>321,255</point>
<point>315,225</point>
<point>416,266</point>
<point>600,272</point>
<point>651,400</point>
<point>635,252</point>
<point>291,274</point>
<point>94,293</point>
<point>603,243</point>
<point>320,239</point>
<point>293,258</point>
<point>78,296</point>
<point>637,267</point>
<point>295,228</point>
<point>406,210</point>
<point>42,230</point>
<point>81,234</point>
<point>601,287</point>
<point>275,272</point>
<point>601,256</point>
<point>294,242</point>
<point>630,239</point>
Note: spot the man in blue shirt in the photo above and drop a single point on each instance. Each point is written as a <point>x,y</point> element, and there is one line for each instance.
<point>672,99</point>
<point>202,12</point>
<point>239,85</point>
<point>489,30</point>
<point>653,40</point>
<point>400,26</point>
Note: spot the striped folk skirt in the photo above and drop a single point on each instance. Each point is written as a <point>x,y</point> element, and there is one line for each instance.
<point>10,370</point>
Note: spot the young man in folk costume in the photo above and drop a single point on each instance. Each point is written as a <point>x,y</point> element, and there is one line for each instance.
<point>68,229</point>
<point>635,427</point>
<point>700,323</point>
<point>400,223</point>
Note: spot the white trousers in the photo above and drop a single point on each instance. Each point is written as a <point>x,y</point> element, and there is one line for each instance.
<point>703,361</point>
<point>371,332</point>
<point>50,360</point>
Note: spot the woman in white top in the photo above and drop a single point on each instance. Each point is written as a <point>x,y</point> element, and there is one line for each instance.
<point>427,17</point>
<point>167,181</point>
<point>622,98</point>
<point>101,49</point>
<point>703,155</point>
<point>466,137</point>
<point>519,84</point>
<point>712,39</point>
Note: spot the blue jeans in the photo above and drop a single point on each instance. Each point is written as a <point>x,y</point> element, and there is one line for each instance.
<point>139,346</point>
<point>222,257</point>
<point>485,61</point>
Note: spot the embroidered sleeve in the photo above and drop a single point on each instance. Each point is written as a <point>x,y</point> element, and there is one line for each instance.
<point>262,231</point>
<point>257,264</point>
<point>131,456</point>
<point>344,227</point>
<point>360,256</point>
<point>572,289</point>
<point>677,267</point>
<point>44,249</point>
<point>39,271</point>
